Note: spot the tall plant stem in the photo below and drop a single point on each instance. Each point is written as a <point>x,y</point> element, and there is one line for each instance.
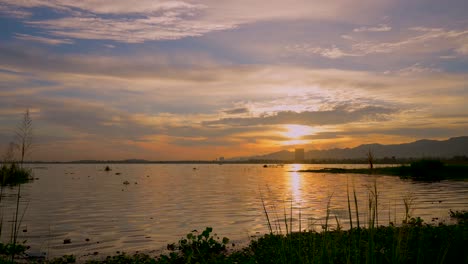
<point>15,230</point>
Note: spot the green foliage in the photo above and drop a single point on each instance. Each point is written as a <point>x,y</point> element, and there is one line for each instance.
<point>63,260</point>
<point>413,242</point>
<point>197,248</point>
<point>460,216</point>
<point>125,259</point>
<point>405,244</point>
<point>12,174</point>
<point>10,249</point>
<point>414,221</point>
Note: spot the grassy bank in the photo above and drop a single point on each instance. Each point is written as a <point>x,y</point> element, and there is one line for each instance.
<point>413,242</point>
<point>13,174</point>
<point>430,170</point>
<point>405,244</point>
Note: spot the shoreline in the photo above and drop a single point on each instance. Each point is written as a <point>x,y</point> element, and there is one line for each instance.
<point>412,240</point>
<point>412,171</point>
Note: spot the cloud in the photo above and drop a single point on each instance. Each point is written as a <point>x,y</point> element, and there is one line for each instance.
<point>267,10</point>
<point>463,49</point>
<point>152,101</point>
<point>339,115</point>
<point>176,75</point>
<point>12,11</point>
<point>448,57</point>
<point>414,43</point>
<point>235,111</point>
<point>206,86</point>
<point>104,7</point>
<point>379,28</point>
<point>82,118</point>
<point>426,40</point>
<point>331,53</point>
<point>241,11</point>
<point>132,66</point>
<point>417,68</point>
<point>237,85</point>
<point>146,20</point>
<point>123,21</point>
<point>45,40</point>
<point>411,133</point>
<point>168,26</point>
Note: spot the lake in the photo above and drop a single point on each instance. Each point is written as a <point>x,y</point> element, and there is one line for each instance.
<point>163,202</point>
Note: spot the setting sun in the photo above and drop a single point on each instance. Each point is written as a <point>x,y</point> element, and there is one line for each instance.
<point>169,80</point>
<point>296,132</point>
<point>132,123</point>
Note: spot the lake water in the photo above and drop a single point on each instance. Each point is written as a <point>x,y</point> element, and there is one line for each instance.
<point>163,202</point>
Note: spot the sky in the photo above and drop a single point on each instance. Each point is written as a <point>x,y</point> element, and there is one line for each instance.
<point>201,79</point>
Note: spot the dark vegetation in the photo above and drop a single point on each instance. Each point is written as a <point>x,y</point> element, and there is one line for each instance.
<point>12,171</point>
<point>405,244</point>
<point>413,242</point>
<point>460,216</point>
<point>13,174</point>
<point>426,170</point>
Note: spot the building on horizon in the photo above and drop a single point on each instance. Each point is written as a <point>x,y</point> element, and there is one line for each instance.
<point>299,155</point>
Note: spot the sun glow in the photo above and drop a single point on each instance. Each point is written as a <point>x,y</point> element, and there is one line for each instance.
<point>296,132</point>
<point>295,142</point>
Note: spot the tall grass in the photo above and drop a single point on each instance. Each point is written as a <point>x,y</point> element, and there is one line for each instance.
<point>410,242</point>
<point>266,213</point>
<point>12,175</point>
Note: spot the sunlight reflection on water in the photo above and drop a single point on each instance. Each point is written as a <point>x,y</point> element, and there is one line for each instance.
<point>163,202</point>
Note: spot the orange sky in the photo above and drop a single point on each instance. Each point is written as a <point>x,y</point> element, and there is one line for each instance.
<point>200,79</point>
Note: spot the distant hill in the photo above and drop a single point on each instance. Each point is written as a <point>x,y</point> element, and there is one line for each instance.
<point>112,161</point>
<point>457,146</point>
<point>280,155</point>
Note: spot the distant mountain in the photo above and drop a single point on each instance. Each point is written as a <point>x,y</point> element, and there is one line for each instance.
<point>280,155</point>
<point>112,161</point>
<point>457,146</point>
